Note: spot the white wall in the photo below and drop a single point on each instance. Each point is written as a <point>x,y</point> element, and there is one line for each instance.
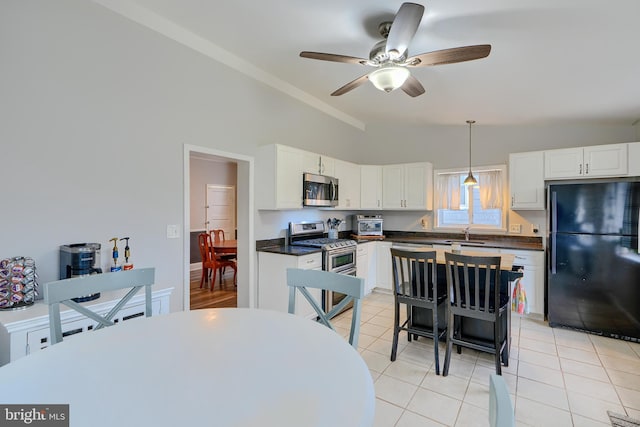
<point>448,146</point>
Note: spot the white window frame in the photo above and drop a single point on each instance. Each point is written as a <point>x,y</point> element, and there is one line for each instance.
<point>465,171</point>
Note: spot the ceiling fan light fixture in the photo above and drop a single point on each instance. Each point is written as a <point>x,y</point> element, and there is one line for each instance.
<point>470,179</point>
<point>389,77</point>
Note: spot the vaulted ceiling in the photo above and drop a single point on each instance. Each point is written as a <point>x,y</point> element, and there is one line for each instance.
<point>552,61</point>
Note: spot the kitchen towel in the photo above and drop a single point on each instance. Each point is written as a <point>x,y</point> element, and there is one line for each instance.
<point>519,298</point>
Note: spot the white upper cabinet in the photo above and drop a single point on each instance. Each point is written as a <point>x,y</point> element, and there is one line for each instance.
<point>407,186</point>
<point>586,162</point>
<point>392,187</point>
<point>279,177</point>
<point>526,180</point>
<point>318,164</point>
<point>279,170</point>
<point>370,187</point>
<point>634,159</point>
<point>348,175</point>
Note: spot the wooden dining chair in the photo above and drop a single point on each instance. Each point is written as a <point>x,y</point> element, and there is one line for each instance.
<point>63,292</point>
<point>217,235</point>
<point>210,263</point>
<point>415,284</point>
<point>475,294</point>
<point>500,405</point>
<point>351,286</point>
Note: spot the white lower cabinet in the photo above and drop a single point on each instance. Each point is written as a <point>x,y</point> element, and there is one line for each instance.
<point>384,278</point>
<point>362,265</point>
<point>27,331</point>
<point>366,265</point>
<point>273,292</point>
<point>533,278</point>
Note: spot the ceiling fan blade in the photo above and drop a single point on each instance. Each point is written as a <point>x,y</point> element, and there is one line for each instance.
<point>450,56</point>
<point>403,28</point>
<point>412,87</point>
<point>351,85</point>
<point>333,57</point>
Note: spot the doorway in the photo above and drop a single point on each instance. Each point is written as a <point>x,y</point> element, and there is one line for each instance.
<point>237,178</point>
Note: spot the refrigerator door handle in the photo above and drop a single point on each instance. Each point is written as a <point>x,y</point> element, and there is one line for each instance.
<point>552,235</point>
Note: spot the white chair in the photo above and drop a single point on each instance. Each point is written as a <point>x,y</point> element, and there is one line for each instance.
<point>351,286</point>
<point>500,406</point>
<point>63,291</point>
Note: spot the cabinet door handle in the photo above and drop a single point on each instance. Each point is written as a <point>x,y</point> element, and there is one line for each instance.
<point>580,172</point>
<point>513,198</point>
<point>586,169</point>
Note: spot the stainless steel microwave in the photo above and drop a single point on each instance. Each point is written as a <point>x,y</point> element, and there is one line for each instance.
<point>319,190</point>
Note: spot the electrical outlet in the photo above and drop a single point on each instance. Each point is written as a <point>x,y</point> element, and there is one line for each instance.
<point>173,232</point>
<point>515,228</point>
<point>535,228</point>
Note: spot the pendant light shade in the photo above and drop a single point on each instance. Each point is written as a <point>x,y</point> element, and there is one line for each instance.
<point>470,179</point>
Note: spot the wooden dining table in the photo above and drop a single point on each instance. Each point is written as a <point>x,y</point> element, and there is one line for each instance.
<point>212,367</point>
<point>225,247</point>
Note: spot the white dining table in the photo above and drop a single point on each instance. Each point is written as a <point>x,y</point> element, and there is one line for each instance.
<point>212,367</point>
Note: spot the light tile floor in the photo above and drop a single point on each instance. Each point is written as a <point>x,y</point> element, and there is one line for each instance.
<point>556,377</point>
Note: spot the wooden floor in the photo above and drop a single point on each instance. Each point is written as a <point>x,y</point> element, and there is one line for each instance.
<point>225,295</point>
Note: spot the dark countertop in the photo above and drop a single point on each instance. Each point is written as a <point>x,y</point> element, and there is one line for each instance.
<point>289,250</point>
<point>524,243</point>
<point>502,242</point>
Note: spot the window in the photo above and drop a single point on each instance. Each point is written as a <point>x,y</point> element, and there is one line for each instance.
<point>478,206</point>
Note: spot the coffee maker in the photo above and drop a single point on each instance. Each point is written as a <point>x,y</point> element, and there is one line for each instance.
<point>80,259</point>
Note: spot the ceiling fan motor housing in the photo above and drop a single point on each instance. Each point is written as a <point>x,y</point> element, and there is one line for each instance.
<point>379,55</point>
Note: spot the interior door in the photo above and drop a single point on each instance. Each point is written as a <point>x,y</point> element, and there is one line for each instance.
<point>221,209</point>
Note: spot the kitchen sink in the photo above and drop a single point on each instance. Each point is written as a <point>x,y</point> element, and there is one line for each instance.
<point>466,242</point>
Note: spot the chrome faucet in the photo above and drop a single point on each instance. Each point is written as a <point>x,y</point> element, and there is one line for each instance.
<point>466,233</point>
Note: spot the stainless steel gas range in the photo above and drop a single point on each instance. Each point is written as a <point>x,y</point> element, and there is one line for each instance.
<point>338,255</point>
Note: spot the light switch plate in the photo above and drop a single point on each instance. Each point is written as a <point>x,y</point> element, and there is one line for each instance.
<point>173,232</point>
<point>515,228</point>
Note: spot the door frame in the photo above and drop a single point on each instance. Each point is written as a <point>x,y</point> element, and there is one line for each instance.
<point>245,222</point>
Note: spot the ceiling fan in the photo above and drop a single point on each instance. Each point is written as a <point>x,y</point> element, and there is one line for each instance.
<point>391,58</point>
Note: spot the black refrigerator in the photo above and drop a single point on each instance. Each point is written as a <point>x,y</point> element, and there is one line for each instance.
<point>593,277</point>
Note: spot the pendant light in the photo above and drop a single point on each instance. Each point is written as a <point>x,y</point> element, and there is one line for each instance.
<point>470,180</point>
